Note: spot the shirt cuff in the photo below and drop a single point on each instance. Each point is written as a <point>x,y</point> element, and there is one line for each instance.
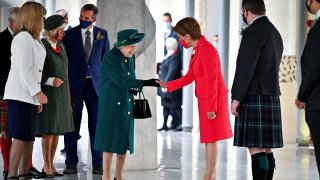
<point>49,81</point>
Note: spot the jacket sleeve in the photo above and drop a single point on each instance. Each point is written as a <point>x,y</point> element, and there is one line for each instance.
<point>106,43</point>
<point>210,62</point>
<point>112,70</point>
<point>45,79</point>
<point>310,66</point>
<point>248,56</point>
<point>181,82</point>
<point>23,51</point>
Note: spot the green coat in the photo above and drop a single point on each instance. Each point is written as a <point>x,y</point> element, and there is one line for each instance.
<point>56,116</point>
<point>115,124</point>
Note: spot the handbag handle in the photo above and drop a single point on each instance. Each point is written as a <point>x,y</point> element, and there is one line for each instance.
<point>142,95</point>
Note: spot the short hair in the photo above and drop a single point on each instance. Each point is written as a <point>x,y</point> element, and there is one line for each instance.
<point>30,19</point>
<point>90,7</point>
<point>254,6</point>
<point>62,12</point>
<point>190,26</point>
<point>168,14</point>
<point>14,13</point>
<point>171,43</point>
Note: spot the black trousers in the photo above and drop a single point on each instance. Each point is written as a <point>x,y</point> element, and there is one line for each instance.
<point>313,121</point>
<point>176,113</point>
<point>71,139</point>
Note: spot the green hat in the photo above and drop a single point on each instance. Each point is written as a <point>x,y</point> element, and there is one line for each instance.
<point>53,22</point>
<point>128,37</point>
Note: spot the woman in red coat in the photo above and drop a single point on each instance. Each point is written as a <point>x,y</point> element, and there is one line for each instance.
<point>211,91</point>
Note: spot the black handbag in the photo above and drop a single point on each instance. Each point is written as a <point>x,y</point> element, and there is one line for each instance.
<point>141,107</point>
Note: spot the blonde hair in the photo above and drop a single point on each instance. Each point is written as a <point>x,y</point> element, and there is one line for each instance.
<point>30,18</point>
<point>171,43</point>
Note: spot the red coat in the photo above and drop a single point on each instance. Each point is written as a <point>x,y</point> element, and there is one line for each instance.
<point>211,91</point>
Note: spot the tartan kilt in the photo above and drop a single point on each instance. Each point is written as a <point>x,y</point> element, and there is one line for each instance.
<point>3,114</point>
<point>259,123</point>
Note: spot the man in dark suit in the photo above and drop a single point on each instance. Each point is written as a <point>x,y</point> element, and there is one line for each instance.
<point>85,46</point>
<point>309,92</point>
<point>256,90</point>
<point>170,69</point>
<point>169,32</point>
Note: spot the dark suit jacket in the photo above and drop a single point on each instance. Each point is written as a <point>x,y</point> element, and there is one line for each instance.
<point>5,62</point>
<point>170,69</point>
<point>259,57</point>
<point>309,91</point>
<point>180,48</point>
<point>78,67</point>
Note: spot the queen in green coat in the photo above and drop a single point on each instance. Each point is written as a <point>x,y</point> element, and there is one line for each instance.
<point>115,124</point>
<point>56,116</point>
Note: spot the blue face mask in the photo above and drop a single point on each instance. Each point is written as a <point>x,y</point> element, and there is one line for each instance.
<point>84,24</point>
<point>168,25</point>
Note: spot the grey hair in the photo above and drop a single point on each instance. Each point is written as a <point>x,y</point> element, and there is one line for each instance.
<point>14,13</point>
<point>62,12</point>
<point>171,43</point>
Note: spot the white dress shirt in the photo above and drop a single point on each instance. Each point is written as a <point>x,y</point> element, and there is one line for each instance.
<point>25,75</point>
<point>257,18</point>
<point>83,33</point>
<point>318,14</point>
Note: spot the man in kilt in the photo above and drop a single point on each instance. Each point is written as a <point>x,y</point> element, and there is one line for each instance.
<point>309,92</point>
<point>255,90</point>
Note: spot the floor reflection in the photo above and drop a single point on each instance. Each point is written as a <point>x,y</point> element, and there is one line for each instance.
<point>182,157</point>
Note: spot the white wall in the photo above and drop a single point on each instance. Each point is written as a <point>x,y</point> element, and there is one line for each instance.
<point>212,17</point>
<point>157,8</point>
<point>234,39</point>
<point>2,20</point>
<point>283,15</point>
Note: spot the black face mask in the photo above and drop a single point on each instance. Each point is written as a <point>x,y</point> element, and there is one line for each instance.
<point>308,7</point>
<point>244,19</point>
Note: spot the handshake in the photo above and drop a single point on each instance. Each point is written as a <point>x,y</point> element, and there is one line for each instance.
<point>155,83</point>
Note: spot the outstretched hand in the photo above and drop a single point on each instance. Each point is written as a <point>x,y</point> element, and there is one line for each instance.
<point>162,83</point>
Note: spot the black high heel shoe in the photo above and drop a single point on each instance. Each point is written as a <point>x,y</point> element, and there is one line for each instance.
<point>164,128</point>
<point>13,177</point>
<point>22,176</point>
